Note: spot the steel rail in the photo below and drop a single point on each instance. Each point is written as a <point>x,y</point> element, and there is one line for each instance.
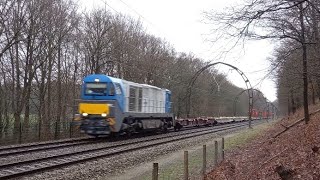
<point>63,144</point>
<point>26,167</point>
<point>47,143</point>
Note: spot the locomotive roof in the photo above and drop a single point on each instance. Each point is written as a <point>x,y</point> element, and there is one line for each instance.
<point>105,78</point>
<point>93,77</point>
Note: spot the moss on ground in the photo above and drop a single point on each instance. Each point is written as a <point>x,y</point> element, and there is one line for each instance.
<point>244,136</point>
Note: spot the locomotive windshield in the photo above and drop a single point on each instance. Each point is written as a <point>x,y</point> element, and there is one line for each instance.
<point>96,89</point>
<point>112,90</point>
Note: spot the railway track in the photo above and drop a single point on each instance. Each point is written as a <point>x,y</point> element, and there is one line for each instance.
<point>46,143</point>
<point>73,144</point>
<point>21,168</point>
<point>7,151</point>
<point>29,148</point>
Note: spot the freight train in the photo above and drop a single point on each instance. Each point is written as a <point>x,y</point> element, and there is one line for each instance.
<point>261,114</point>
<point>112,106</point>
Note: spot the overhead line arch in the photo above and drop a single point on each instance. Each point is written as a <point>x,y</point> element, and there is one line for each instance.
<point>244,77</point>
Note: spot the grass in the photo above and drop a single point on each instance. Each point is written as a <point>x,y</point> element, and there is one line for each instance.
<point>245,136</point>
<point>175,168</point>
<point>172,166</point>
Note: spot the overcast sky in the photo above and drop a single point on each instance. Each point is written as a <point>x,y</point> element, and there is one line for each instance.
<point>180,22</point>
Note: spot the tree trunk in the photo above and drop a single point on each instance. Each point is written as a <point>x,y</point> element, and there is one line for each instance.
<point>48,115</point>
<point>16,86</point>
<point>2,99</point>
<point>58,120</point>
<point>315,27</point>
<point>304,64</point>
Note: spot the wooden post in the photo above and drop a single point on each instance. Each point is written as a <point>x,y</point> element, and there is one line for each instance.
<point>155,171</point>
<point>222,148</point>
<point>204,165</point>
<point>215,153</point>
<point>186,170</point>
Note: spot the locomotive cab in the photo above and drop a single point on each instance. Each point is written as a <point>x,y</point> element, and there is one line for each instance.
<point>100,96</point>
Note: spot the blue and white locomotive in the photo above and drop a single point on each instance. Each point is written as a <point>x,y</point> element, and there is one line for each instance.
<point>113,106</point>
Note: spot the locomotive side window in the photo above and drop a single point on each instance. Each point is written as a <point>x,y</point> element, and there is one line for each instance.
<point>99,89</point>
<point>118,88</point>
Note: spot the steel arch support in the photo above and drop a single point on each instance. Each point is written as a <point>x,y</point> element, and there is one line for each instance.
<point>244,77</point>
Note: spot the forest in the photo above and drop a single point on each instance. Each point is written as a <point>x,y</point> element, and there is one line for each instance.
<point>47,47</point>
<point>293,27</point>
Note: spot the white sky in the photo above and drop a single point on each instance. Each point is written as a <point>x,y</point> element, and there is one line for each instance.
<point>178,22</point>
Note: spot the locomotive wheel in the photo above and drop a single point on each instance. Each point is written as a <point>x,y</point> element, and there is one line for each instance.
<point>94,135</point>
<point>114,135</point>
<point>129,132</point>
<point>164,128</point>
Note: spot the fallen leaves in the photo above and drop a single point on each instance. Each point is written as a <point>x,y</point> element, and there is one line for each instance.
<point>292,155</point>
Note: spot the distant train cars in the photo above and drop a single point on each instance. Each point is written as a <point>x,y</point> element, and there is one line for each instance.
<point>112,106</point>
<point>210,121</point>
<point>256,114</point>
<point>200,121</point>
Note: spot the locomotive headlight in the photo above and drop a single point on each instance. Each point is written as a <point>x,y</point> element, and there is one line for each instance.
<point>84,114</point>
<point>104,115</point>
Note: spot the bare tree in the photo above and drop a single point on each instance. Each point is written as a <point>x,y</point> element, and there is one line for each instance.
<point>97,38</point>
<point>47,47</point>
<point>264,19</point>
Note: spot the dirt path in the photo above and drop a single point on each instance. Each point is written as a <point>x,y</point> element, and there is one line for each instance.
<point>144,170</point>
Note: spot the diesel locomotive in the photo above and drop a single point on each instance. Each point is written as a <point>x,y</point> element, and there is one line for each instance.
<point>111,106</point>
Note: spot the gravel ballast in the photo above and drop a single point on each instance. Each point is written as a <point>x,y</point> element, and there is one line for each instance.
<point>116,167</point>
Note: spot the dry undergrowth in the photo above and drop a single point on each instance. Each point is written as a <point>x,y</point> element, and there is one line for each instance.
<point>294,154</point>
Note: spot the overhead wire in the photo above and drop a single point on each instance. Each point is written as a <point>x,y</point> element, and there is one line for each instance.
<point>227,51</point>
<point>140,15</point>
<point>136,48</point>
<point>137,68</point>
